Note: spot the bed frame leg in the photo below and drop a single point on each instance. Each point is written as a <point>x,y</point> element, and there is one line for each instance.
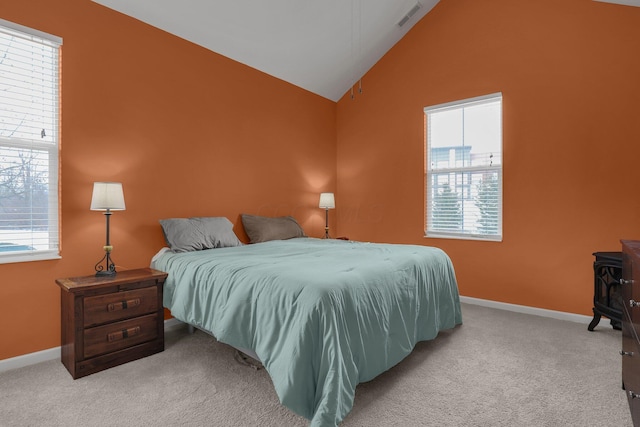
<point>192,329</point>
<point>246,360</point>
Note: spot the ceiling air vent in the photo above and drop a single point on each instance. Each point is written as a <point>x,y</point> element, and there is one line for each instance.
<point>408,16</point>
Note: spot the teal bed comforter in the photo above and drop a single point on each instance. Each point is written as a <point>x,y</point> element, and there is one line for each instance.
<point>322,315</point>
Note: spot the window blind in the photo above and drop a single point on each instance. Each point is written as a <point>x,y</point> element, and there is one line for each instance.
<point>29,102</point>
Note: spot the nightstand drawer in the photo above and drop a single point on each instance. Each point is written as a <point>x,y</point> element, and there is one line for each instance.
<point>121,305</point>
<point>119,335</point>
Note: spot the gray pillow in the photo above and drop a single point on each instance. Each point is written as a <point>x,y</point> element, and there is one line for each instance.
<point>196,234</point>
<point>262,228</point>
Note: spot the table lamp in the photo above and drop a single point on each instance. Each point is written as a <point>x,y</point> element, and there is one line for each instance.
<point>107,197</point>
<point>327,201</point>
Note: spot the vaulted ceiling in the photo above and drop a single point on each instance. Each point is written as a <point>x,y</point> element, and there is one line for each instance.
<point>323,46</point>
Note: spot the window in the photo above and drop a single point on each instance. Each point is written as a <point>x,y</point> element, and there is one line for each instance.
<point>29,76</point>
<point>464,169</point>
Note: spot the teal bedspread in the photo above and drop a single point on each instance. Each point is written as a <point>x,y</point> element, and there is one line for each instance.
<point>322,315</point>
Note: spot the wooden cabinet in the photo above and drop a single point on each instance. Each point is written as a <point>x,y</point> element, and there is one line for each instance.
<point>630,302</point>
<point>111,320</point>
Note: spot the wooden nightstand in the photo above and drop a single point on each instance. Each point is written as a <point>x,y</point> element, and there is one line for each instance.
<point>108,321</point>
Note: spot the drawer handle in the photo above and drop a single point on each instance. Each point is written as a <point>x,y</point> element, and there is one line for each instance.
<point>626,282</point>
<point>123,334</point>
<point>633,394</point>
<point>626,353</point>
<point>123,305</point>
<point>633,303</point>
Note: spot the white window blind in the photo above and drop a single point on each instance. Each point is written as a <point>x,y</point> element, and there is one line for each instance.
<point>29,94</point>
<point>464,169</point>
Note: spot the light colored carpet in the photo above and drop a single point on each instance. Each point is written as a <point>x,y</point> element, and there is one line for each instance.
<point>498,369</point>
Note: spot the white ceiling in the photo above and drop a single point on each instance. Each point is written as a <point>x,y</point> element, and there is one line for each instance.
<point>323,46</point>
<point>623,2</point>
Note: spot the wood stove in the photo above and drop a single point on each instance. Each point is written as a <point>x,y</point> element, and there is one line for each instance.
<point>607,272</point>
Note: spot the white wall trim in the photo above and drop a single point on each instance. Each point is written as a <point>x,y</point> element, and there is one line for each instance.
<point>173,323</point>
<point>29,359</point>
<point>54,353</point>
<point>559,315</point>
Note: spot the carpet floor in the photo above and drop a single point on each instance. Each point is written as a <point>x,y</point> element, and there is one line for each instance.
<point>499,368</point>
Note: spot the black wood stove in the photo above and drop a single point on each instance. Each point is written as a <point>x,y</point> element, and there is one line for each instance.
<point>607,272</point>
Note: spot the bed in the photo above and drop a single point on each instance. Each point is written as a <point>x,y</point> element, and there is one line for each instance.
<point>321,315</point>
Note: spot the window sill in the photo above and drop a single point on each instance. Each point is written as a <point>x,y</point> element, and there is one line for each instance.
<point>496,239</point>
<point>21,257</point>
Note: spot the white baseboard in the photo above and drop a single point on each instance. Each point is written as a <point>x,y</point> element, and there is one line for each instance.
<point>560,315</point>
<point>29,359</point>
<point>54,353</point>
<point>169,324</point>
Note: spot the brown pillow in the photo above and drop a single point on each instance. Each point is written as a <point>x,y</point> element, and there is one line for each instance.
<point>262,228</point>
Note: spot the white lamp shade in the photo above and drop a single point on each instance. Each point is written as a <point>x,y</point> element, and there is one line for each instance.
<point>327,201</point>
<point>107,195</point>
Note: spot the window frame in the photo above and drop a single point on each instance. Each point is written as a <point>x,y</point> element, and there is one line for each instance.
<point>51,147</point>
<point>430,232</point>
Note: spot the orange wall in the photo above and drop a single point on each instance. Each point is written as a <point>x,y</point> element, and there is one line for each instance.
<point>187,132</point>
<point>569,72</point>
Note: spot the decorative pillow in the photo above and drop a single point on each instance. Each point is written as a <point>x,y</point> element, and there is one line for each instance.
<point>196,234</point>
<point>263,229</point>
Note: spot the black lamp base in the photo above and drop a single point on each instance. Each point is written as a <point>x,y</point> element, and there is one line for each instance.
<point>101,273</point>
<point>109,268</point>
